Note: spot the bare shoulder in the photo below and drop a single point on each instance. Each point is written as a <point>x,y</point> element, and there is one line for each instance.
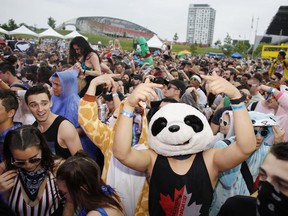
<point>66,128</point>
<point>66,124</point>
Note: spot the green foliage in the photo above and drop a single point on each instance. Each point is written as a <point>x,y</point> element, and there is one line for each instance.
<point>218,44</point>
<point>258,50</point>
<point>12,25</point>
<point>242,47</point>
<point>227,47</point>
<point>51,22</point>
<point>193,49</point>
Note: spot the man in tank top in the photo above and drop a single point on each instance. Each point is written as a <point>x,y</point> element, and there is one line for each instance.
<point>60,133</point>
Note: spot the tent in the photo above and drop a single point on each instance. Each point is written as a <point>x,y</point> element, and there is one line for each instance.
<point>155,42</point>
<point>3,31</point>
<point>51,33</point>
<point>211,54</point>
<point>236,55</point>
<point>74,34</point>
<point>23,30</point>
<point>184,52</point>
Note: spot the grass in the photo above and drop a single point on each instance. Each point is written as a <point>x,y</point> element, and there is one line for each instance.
<point>127,44</point>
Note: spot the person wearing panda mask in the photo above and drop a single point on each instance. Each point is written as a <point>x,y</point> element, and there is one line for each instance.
<point>180,164</point>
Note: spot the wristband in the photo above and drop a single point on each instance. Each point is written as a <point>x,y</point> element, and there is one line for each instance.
<point>115,95</point>
<point>238,100</point>
<point>127,113</point>
<point>271,90</point>
<point>238,107</point>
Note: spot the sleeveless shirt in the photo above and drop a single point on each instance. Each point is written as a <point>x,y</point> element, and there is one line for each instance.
<point>172,194</point>
<point>48,204</point>
<point>51,136</point>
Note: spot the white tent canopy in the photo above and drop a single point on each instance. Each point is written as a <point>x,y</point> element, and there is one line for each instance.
<point>23,30</point>
<point>155,42</point>
<point>51,33</point>
<point>3,31</point>
<point>74,34</point>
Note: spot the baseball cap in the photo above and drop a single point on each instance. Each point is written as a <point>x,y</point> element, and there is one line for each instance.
<point>179,84</point>
<point>160,80</point>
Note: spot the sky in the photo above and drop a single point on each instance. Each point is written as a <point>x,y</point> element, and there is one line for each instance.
<point>164,17</point>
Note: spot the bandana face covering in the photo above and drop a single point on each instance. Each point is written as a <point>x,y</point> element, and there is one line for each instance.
<point>270,202</point>
<point>31,181</point>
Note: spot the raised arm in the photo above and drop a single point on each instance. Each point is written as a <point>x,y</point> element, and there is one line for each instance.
<point>138,160</point>
<point>88,112</point>
<point>245,144</point>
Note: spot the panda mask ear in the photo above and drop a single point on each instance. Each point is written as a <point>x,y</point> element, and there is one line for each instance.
<point>179,129</point>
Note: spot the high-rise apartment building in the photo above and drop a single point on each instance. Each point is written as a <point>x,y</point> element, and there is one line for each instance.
<point>200,24</point>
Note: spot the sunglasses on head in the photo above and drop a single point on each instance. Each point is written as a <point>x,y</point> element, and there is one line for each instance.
<point>223,122</point>
<point>21,163</point>
<point>263,133</point>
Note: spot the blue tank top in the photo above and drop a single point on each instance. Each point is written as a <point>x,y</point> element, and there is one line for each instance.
<point>108,191</point>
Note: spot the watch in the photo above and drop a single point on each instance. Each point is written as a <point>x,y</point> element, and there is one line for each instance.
<point>238,100</point>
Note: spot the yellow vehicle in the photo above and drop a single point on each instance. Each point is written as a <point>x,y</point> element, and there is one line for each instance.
<point>271,51</point>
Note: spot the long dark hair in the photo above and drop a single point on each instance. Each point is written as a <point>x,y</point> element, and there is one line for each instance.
<point>22,138</point>
<point>81,175</point>
<point>84,47</point>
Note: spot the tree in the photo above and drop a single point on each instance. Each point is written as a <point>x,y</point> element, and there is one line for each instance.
<point>51,22</point>
<point>257,52</point>
<point>175,38</point>
<point>5,26</point>
<point>242,47</point>
<point>227,47</point>
<point>218,44</point>
<point>63,26</point>
<point>12,25</point>
<point>24,24</point>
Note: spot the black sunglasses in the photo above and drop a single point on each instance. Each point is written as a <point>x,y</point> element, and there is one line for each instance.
<point>22,163</point>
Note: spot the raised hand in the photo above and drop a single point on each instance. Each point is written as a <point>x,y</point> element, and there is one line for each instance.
<point>7,180</point>
<point>217,85</point>
<point>142,92</point>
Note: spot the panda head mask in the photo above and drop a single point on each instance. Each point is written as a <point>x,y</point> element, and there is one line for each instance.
<point>179,129</point>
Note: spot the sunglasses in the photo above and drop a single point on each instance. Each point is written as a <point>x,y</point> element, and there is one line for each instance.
<point>263,133</point>
<point>223,122</point>
<point>21,163</point>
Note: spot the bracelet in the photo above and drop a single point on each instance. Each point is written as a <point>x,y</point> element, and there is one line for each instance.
<point>238,100</point>
<point>115,95</point>
<point>127,113</point>
<point>238,107</point>
<point>271,90</point>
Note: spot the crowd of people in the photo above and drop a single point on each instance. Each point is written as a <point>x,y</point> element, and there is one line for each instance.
<point>103,132</point>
